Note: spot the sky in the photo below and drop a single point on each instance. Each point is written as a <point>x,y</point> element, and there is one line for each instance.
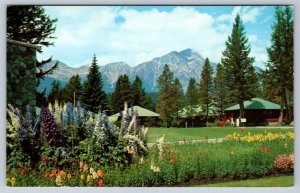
<point>136,34</point>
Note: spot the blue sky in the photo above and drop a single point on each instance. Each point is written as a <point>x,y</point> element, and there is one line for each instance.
<point>135,34</point>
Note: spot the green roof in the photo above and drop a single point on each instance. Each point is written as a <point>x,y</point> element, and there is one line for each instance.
<point>196,110</point>
<point>142,112</point>
<point>255,103</point>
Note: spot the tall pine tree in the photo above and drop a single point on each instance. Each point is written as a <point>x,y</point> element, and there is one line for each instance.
<point>55,93</point>
<point>220,91</point>
<point>206,87</point>
<point>139,96</point>
<point>93,98</point>
<point>241,79</point>
<point>178,98</point>
<point>192,97</point>
<point>122,93</point>
<point>281,57</point>
<point>72,90</point>
<point>166,102</point>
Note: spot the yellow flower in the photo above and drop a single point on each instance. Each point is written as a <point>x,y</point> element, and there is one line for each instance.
<point>59,180</point>
<point>88,179</point>
<point>13,181</point>
<point>82,177</point>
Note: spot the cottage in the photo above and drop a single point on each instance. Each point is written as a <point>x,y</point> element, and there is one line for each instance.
<point>257,112</point>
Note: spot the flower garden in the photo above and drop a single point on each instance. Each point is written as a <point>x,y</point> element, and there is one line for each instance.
<point>66,146</point>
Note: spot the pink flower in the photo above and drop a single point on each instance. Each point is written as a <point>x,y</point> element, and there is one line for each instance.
<point>22,172</point>
<point>100,183</point>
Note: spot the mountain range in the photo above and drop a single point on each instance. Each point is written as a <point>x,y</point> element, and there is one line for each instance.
<point>185,64</point>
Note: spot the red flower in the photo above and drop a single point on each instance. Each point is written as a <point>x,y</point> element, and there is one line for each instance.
<point>172,161</point>
<point>22,172</point>
<point>243,130</point>
<point>264,150</point>
<point>47,174</point>
<point>100,183</point>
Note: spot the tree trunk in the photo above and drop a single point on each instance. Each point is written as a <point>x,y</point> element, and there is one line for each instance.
<point>281,107</point>
<point>206,115</point>
<point>242,111</point>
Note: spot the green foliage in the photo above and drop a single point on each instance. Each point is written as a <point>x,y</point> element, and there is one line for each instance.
<point>55,93</point>
<point>281,57</point>
<point>30,24</point>
<point>72,90</point>
<point>93,98</point>
<point>170,95</point>
<point>122,93</point>
<point>220,89</point>
<point>192,93</point>
<point>241,78</point>
<point>206,87</point>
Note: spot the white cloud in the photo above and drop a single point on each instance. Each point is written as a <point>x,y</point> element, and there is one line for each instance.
<point>247,14</point>
<point>142,35</point>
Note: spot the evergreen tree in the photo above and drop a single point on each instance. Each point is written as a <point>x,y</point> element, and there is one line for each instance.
<point>241,79</point>
<point>178,98</point>
<point>31,24</point>
<point>281,57</point>
<point>166,104</point>
<point>55,93</point>
<point>72,90</point>
<point>220,91</point>
<point>93,98</point>
<point>192,96</point>
<point>138,95</point>
<point>206,87</point>
<point>123,93</point>
<point>269,91</point>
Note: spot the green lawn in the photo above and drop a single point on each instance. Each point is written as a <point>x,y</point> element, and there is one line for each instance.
<point>283,181</point>
<point>178,134</point>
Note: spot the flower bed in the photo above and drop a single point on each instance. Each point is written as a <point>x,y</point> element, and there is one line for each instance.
<point>178,164</point>
<point>71,150</point>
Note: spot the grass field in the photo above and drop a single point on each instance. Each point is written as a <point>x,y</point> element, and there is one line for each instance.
<point>179,134</point>
<point>282,181</point>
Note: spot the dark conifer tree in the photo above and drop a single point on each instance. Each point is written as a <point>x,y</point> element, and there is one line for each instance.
<point>123,93</point>
<point>206,87</point>
<point>281,58</point>
<point>241,78</point>
<point>93,98</point>
<point>220,90</point>
<point>72,90</point>
<point>55,93</point>
<point>166,104</point>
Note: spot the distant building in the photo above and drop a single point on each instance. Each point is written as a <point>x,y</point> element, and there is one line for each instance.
<point>195,116</point>
<point>142,114</point>
<point>257,112</point>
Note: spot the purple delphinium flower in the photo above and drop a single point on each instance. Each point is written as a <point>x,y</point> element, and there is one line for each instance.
<point>50,129</point>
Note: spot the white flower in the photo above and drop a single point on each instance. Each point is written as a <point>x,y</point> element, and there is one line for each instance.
<point>154,168</point>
